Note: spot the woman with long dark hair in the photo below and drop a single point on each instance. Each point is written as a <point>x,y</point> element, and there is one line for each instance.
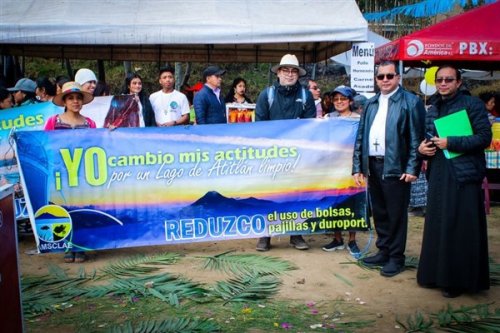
<point>133,86</point>
<point>237,93</point>
<point>45,89</point>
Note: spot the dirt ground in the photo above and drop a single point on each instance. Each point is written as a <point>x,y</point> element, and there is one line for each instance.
<point>319,277</point>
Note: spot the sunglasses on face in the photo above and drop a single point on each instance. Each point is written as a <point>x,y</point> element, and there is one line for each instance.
<point>445,79</point>
<point>389,76</point>
<point>340,99</point>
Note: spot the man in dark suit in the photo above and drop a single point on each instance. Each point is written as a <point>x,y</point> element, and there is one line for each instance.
<point>390,131</point>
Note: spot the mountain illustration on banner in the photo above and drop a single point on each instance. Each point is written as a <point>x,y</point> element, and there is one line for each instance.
<point>214,202</point>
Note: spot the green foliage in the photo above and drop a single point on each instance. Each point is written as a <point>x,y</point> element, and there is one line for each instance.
<point>247,288</point>
<point>136,266</point>
<point>416,323</point>
<point>476,318</point>
<point>466,319</point>
<point>176,325</point>
<point>411,262</point>
<point>241,264</point>
<point>343,279</point>
<point>166,287</point>
<point>50,293</point>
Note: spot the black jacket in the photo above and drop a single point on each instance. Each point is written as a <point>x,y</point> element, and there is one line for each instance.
<point>471,166</point>
<point>403,134</point>
<point>287,103</point>
<point>208,108</point>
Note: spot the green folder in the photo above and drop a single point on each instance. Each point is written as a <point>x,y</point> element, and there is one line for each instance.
<point>455,124</point>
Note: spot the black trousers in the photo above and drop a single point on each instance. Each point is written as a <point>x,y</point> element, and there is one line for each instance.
<point>389,203</point>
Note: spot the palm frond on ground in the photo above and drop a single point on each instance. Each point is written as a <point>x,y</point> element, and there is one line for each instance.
<point>466,319</point>
<point>52,292</point>
<point>55,291</point>
<point>476,318</point>
<point>140,265</point>
<point>174,325</point>
<point>416,323</point>
<point>247,288</point>
<point>241,264</point>
<point>166,287</point>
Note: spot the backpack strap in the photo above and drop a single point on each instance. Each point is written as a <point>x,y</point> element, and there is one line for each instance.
<point>271,91</point>
<point>304,98</point>
<point>270,95</point>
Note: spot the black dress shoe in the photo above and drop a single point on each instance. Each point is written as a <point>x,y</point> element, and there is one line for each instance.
<point>379,259</point>
<point>391,269</point>
<point>451,292</point>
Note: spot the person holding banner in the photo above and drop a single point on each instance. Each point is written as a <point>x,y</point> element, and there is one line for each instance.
<point>385,151</point>
<point>342,98</point>
<point>171,107</point>
<point>133,86</point>
<point>454,255</point>
<point>72,98</point>
<point>285,99</point>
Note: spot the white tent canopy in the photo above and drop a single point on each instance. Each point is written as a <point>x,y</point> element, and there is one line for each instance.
<point>189,30</point>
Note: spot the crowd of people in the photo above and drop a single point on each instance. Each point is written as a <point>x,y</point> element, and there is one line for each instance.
<point>396,136</point>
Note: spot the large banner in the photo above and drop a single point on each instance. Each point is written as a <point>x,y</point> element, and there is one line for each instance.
<point>99,189</point>
<point>33,117</point>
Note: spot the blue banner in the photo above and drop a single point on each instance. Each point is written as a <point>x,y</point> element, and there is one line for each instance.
<point>99,189</point>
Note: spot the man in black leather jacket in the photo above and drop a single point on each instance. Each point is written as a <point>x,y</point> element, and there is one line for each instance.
<point>390,131</point>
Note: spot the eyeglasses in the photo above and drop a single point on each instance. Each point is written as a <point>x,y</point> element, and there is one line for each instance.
<point>389,76</point>
<point>445,80</point>
<point>340,99</point>
<point>290,71</point>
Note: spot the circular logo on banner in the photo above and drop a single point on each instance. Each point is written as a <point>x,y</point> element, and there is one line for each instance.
<point>53,223</point>
<point>415,48</point>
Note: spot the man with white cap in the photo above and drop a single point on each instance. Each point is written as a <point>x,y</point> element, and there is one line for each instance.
<point>285,99</point>
<point>24,92</point>
<point>87,79</point>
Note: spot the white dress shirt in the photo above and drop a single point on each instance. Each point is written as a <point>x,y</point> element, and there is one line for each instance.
<point>377,130</point>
